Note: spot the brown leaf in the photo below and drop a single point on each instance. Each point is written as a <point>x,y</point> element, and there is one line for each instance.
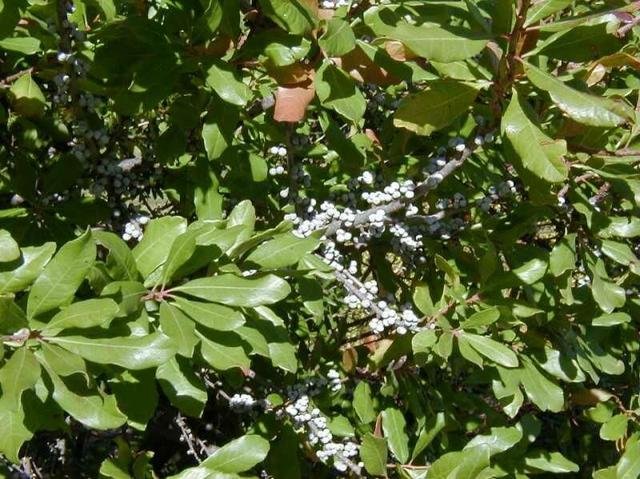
<point>290,74</point>
<point>363,69</point>
<point>292,102</point>
<point>398,51</point>
<point>326,14</point>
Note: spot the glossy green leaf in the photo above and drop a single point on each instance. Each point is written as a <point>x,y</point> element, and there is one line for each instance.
<point>465,464</point>
<point>553,462</point>
<point>224,351</point>
<point>238,455</point>
<point>27,97</point>
<point>83,314</point>
<point>582,107</point>
<point>87,406</point>
<point>543,393</point>
<point>14,433</point>
<point>544,9</point>
<point>133,352</point>
<point>500,439</point>
<point>338,38</point>
<point>393,425</point>
<point>293,16</point>
<point>183,388</point>
<point>563,255</point>
<point>9,250</point>
<point>180,328</point>
<point>363,403</point>
<point>435,107</point>
<point>223,80</point>
<point>120,260</point>
<point>236,291</point>
<point>337,91</point>
<point>17,375</point>
<point>629,465</point>
<point>153,249</point>
<point>62,362</point>
<point>181,250</point>
<point>62,276</point>
<point>539,154</point>
<point>34,259</point>
<point>614,428</point>
<point>436,43</point>
<point>481,318</point>
<point>214,316</point>
<point>373,452</point>
<point>493,350</point>
<point>607,294</point>
<point>283,250</point>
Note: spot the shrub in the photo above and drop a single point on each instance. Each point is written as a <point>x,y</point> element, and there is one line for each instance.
<point>290,238</point>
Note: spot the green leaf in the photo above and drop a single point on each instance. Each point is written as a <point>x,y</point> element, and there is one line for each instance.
<point>242,214</point>
<point>9,250</point>
<point>581,107</point>
<point>179,328</point>
<point>183,388</point>
<point>493,350</point>
<point>26,45</point>
<point>232,290</point>
<point>238,455</point>
<point>544,9</point>
<point>550,462</point>
<point>133,352</point>
<point>120,261</point>
<point>283,49</point>
<point>218,128</point>
<point>153,249</point>
<point>17,375</point>
<point>283,250</point>
<point>224,351</point>
<point>293,16</point>
<point>136,395</point>
<point>500,439</point>
<point>62,362</point>
<point>607,294</point>
<point>60,279</point>
<point>465,464</point>
<point>85,405</point>
<point>540,155</point>
<point>612,319</point>
<point>436,107</point>
<point>481,319</point>
<point>629,465</point>
<point>544,393</point>
<point>423,342</point>
<point>373,452</point>
<point>338,91</point>
<point>563,255</point>
<point>363,403</point>
<point>34,259</point>
<point>393,425</point>
<point>619,252</point>
<point>338,38</point>
<point>436,43</point>
<point>27,98</point>
<point>614,428</point>
<point>14,433</point>
<point>12,318</point>
<point>83,314</point>
<point>181,250</point>
<point>214,316</point>
<point>223,80</point>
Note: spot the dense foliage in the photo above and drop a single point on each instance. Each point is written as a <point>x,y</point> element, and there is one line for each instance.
<point>301,238</point>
